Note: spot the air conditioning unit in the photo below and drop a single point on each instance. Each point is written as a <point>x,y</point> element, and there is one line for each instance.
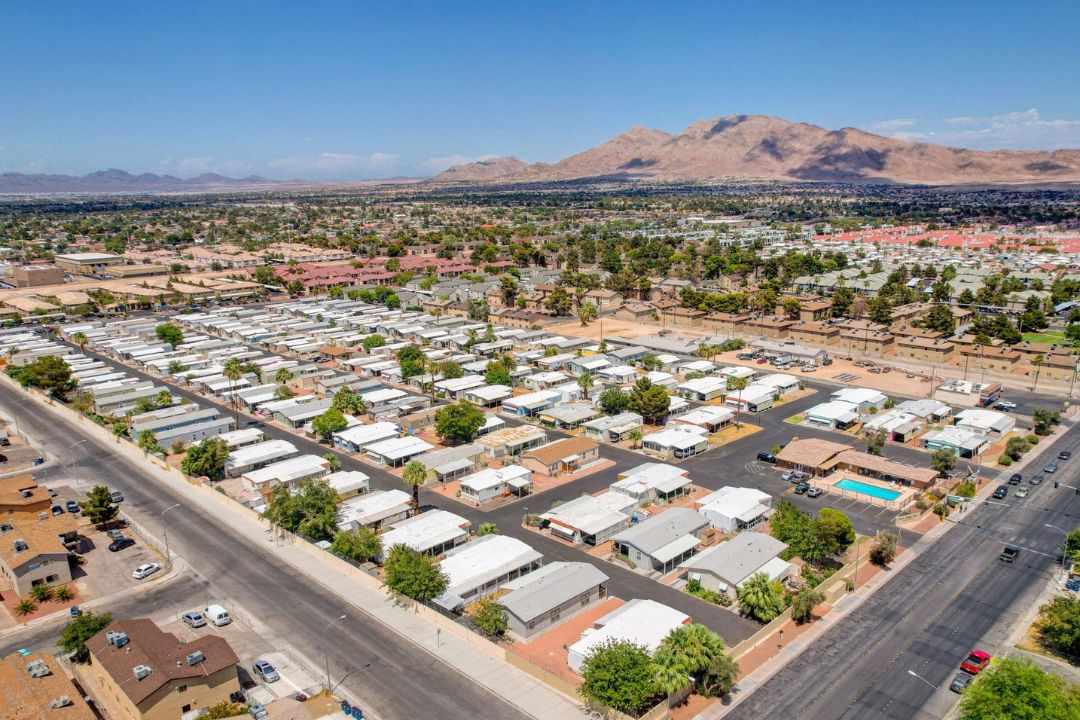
<point>38,669</point>
<point>27,493</point>
<point>141,671</point>
<point>20,546</point>
<point>43,516</point>
<point>118,639</point>
<point>62,701</point>
<point>195,658</point>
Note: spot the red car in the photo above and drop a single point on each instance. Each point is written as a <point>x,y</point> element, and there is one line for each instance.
<point>975,662</point>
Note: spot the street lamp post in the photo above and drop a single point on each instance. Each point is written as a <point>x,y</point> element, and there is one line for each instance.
<point>326,651</point>
<point>1065,549</point>
<point>915,674</point>
<point>71,458</point>
<point>165,531</point>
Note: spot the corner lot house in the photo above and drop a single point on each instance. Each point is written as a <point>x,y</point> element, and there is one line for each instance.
<point>614,428</point>
<point>731,509</point>
<point>642,622</point>
<point>836,414</point>
<point>962,442</point>
<point>549,594</point>
<point>432,533</point>
<point>356,438</point>
<point>723,568</point>
<point>862,398</point>
<point>590,519</point>
<point>985,422</point>
<point>287,472</point>
<point>707,417</point>
<point>491,483</point>
<point>662,541</point>
<point>478,568</point>
<point>511,440</point>
<point>562,456</point>
<point>752,398</point>
<point>678,440</point>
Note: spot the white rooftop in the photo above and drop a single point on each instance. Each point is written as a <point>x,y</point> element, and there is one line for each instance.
<point>474,564</point>
<point>641,622</point>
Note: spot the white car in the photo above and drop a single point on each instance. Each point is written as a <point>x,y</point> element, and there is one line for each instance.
<point>145,570</point>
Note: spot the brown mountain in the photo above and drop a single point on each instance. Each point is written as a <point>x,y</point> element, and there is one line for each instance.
<point>756,146</point>
<point>108,181</point>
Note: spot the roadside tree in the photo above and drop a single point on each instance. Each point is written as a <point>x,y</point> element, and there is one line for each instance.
<point>79,630</point>
<point>413,574</point>
<point>330,422</point>
<point>206,459</point>
<point>415,475</point>
<point>619,675</point>
<point>760,599</point>
<point>361,545</point>
<point>1018,689</point>
<point>310,510</point>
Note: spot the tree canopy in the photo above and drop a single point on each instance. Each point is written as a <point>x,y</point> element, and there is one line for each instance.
<point>98,506</point>
<point>619,675</point>
<point>169,334</point>
<point>79,630</point>
<point>330,422</point>
<point>1015,689</point>
<point>361,545</point>
<point>348,402</point>
<point>413,574</point>
<point>50,373</point>
<point>614,401</point>
<point>649,401</point>
<point>310,511</point>
<point>206,459</point>
<point>459,422</point>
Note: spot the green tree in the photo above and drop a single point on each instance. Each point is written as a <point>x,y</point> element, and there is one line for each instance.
<point>1016,689</point>
<point>587,312</point>
<point>619,675</point>
<point>884,549</point>
<point>559,302</point>
<point>719,678</point>
<point>79,630</point>
<point>169,334</point>
<point>497,374</point>
<point>330,422</point>
<point>372,341</point>
<point>1071,545</point>
<point>80,339</point>
<point>487,528</point>
<point>803,604</point>
<point>233,371</point>
<point>283,392</point>
<point>147,442</point>
<point>206,459</point>
<point>415,475</point>
<point>361,545</point>
<point>450,369</point>
<point>585,381</point>
<point>459,422</point>
<point>842,299</point>
<point>412,361</point>
<point>1044,420</point>
<point>760,599</point>
<point>649,401</point>
<point>283,376</point>
<point>835,529</point>
<point>686,652</point>
<point>614,401</point>
<point>490,616</point>
<point>944,461</point>
<point>50,373</point>
<point>1058,626</point>
<point>734,385</point>
<point>940,318</point>
<point>875,442</point>
<point>349,402</point>
<point>310,510</point>
<point>413,575</point>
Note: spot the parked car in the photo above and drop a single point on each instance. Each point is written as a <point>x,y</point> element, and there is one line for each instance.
<point>801,488</point>
<point>1051,468</point>
<point>814,492</point>
<point>116,497</point>
<point>72,506</point>
<point>52,492</point>
<point>960,683</point>
<point>1021,492</point>
<point>1001,491</point>
<point>194,619</point>
<point>766,457</point>
<point>976,661</point>
<point>115,534</point>
<point>145,570</point>
<point>1016,479</point>
<point>1009,553</point>
<point>266,671</point>
<point>793,476</point>
<point>761,361</point>
<point>875,370</point>
<point>120,544</point>
<point>809,368</point>
<point>826,361</point>
<point>37,461</point>
<point>745,356</point>
<point>1064,454</point>
<point>217,615</point>
<point>57,510</point>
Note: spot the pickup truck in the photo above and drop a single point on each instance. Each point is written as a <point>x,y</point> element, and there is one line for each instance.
<point>1009,553</point>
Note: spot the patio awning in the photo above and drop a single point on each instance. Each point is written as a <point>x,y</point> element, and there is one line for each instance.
<point>454,466</point>
<point>449,601</point>
<point>519,482</point>
<point>676,548</point>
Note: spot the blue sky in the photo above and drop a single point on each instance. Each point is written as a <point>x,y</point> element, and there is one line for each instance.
<point>348,90</point>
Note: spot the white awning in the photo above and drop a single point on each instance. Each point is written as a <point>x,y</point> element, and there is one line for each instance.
<point>676,548</point>
<point>519,482</point>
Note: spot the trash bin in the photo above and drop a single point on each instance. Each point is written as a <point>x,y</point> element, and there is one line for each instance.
<point>346,708</point>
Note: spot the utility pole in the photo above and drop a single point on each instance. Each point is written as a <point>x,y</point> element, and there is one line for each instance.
<point>165,532</point>
<point>326,651</point>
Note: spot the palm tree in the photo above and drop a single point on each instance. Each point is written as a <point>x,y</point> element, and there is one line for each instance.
<point>283,376</point>
<point>80,339</point>
<point>233,370</point>
<point>670,674</point>
<point>759,599</point>
<point>415,474</point>
<point>634,436</point>
<point>736,384</point>
<point>585,381</point>
<point>695,645</point>
<point>1038,363</point>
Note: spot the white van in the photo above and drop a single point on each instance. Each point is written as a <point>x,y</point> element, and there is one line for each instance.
<point>217,615</point>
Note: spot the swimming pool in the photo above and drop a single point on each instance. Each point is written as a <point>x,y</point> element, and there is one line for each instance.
<point>865,489</point>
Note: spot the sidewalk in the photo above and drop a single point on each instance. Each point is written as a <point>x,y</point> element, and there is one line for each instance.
<point>475,662</point>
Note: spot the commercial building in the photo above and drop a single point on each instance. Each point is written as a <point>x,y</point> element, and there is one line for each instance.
<point>87,263</point>
<point>550,594</point>
<point>33,686</point>
<point>154,675</point>
<point>24,276</point>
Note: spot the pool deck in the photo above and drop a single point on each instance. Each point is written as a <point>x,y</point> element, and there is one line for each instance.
<point>829,485</point>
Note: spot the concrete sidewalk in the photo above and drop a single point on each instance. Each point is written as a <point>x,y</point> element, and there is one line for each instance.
<point>476,659</point>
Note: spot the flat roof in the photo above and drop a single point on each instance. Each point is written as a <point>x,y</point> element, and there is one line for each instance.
<point>487,558</point>
<point>549,587</point>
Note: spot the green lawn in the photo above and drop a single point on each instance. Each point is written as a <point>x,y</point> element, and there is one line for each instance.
<point>1054,338</point>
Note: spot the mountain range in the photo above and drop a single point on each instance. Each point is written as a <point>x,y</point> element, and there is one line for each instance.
<point>108,181</point>
<point>770,148</point>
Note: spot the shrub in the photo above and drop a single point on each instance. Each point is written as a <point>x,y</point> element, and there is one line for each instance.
<point>884,549</point>
<point>803,604</point>
<point>1004,460</point>
<point>25,606</point>
<point>63,594</point>
<point>490,616</point>
<point>42,593</point>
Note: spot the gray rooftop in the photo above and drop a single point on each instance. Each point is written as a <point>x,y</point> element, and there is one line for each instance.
<point>663,529</point>
<point>549,587</point>
<point>738,558</point>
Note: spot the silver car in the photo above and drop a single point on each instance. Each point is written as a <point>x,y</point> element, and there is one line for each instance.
<point>194,619</point>
<point>266,671</point>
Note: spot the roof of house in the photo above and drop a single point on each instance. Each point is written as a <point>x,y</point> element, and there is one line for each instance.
<point>659,531</point>
<point>642,622</point>
<point>549,587</point>
<point>23,697</point>
<point>738,558</point>
<point>476,563</point>
<point>164,653</point>
<point>556,451</point>
<point>736,502</point>
<point>810,452</point>
<point>427,530</point>
<point>588,513</point>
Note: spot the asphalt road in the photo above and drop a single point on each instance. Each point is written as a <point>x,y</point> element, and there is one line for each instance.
<point>401,681</point>
<point>954,598</point>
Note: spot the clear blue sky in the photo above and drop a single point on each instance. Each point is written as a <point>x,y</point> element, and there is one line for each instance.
<point>343,90</point>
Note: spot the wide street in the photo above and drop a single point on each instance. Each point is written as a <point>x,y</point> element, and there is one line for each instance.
<point>953,598</point>
<point>401,681</point>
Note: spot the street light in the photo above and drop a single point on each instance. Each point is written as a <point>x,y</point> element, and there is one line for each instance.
<point>165,530</point>
<point>1065,549</point>
<point>326,651</point>
<point>71,458</point>
<point>915,674</point>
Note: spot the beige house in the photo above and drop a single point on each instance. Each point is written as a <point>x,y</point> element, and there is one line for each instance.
<point>149,674</point>
<point>925,349</point>
<point>33,542</point>
<point>35,687</point>
<point>561,456</point>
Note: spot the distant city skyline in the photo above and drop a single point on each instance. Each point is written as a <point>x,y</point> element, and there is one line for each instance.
<point>346,91</point>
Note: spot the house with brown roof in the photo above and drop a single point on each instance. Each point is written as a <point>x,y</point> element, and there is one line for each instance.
<point>35,545</point>
<point>730,323</point>
<point>154,675</point>
<point>561,456</point>
<point>932,350</point>
<point>772,327</point>
<point>814,310</point>
<point>1029,351</point>
<point>808,455</point>
<point>35,687</point>
<point>824,457</point>
<point>1058,368</point>
<point>1000,359</point>
<point>637,312</point>
<point>814,333</point>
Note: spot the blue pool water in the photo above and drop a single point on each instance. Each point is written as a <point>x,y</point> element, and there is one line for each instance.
<point>871,490</point>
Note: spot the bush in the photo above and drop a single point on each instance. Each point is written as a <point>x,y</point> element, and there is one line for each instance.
<point>1004,460</point>
<point>63,594</point>
<point>1058,626</point>
<point>941,510</point>
<point>41,593</point>
<point>803,604</point>
<point>25,606</point>
<point>1032,439</point>
<point>490,616</point>
<point>884,549</point>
